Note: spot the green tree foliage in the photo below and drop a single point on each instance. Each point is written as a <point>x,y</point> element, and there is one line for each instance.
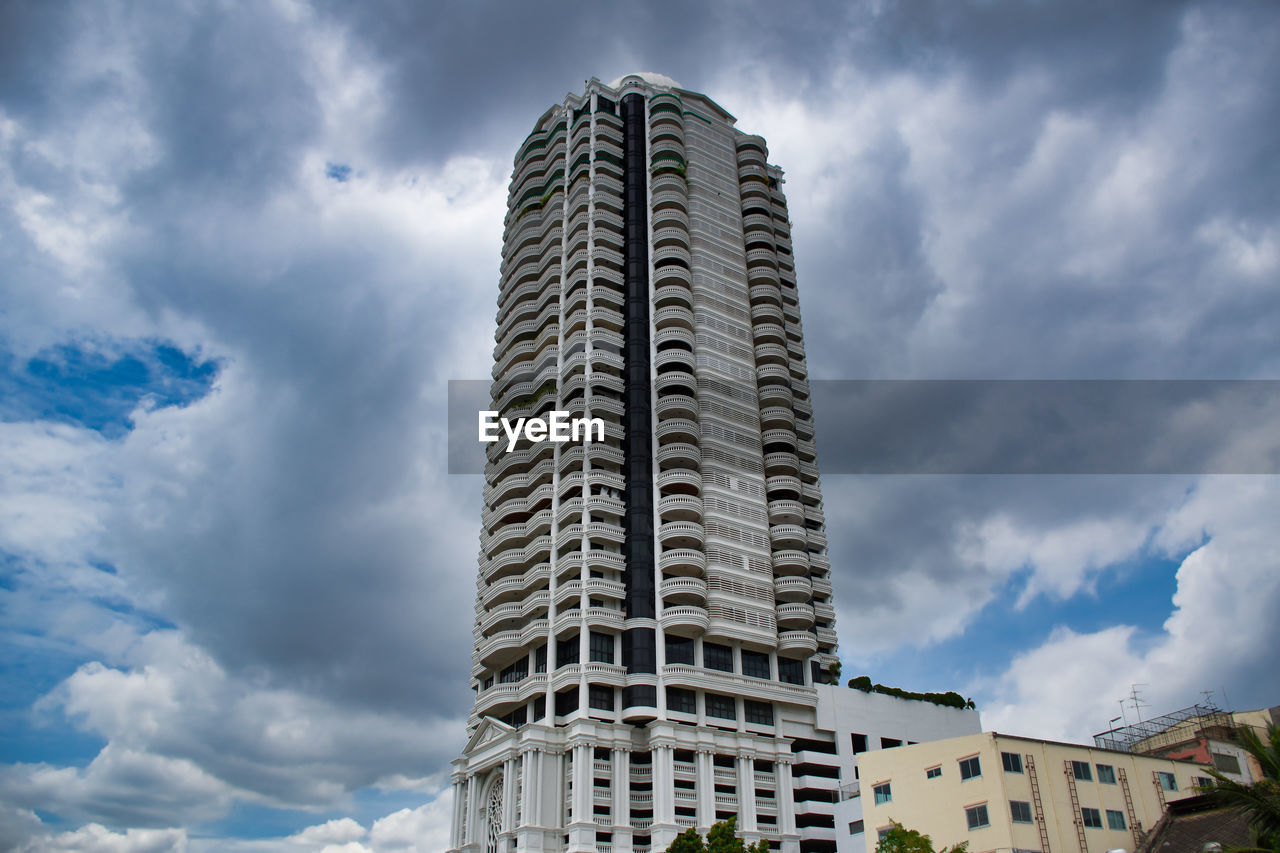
<point>721,838</point>
<point>688,841</point>
<point>899,839</point>
<point>1261,800</point>
<point>950,699</point>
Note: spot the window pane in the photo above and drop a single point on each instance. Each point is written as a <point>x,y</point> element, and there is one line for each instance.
<point>681,700</point>
<point>933,773</point>
<point>1012,762</point>
<point>715,656</point>
<point>1082,771</point>
<point>679,650</point>
<point>1168,782</point>
<point>1115,819</point>
<point>976,816</point>
<point>1226,763</point>
<point>1106,774</point>
<point>969,768</point>
<point>755,664</point>
<point>721,706</point>
<point>1092,818</point>
<point>758,712</point>
<point>790,671</point>
<point>1020,810</point>
<point>884,793</point>
<point>601,647</point>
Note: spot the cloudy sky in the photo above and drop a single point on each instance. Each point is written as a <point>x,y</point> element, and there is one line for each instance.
<point>243,247</point>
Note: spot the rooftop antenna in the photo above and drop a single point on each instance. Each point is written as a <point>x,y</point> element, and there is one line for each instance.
<point>1136,698</point>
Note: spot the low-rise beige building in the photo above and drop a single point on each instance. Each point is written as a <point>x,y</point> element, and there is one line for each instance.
<point>1007,793</point>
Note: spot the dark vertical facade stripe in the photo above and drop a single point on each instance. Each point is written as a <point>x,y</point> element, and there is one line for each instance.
<point>638,643</point>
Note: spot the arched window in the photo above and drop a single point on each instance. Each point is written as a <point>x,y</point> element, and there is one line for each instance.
<point>493,814</point>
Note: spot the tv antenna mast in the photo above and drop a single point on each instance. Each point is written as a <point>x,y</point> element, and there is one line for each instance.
<point>1136,698</point>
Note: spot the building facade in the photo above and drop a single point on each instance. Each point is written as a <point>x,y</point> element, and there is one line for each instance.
<point>1203,734</point>
<point>1007,793</point>
<point>653,610</point>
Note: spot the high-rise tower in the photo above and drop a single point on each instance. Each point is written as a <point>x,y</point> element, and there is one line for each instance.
<point>653,610</point>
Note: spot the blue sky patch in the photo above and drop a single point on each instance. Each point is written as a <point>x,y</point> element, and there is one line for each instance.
<point>1138,592</point>
<point>339,172</point>
<point>89,387</point>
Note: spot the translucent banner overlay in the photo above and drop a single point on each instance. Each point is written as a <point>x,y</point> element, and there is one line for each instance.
<point>1006,426</point>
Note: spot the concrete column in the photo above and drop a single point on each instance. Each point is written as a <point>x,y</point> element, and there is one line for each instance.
<point>510,768</point>
<point>747,793</point>
<point>706,789</point>
<point>455,833</point>
<point>468,818</point>
<point>664,828</point>
<point>786,801</point>
<point>621,799</point>
<point>582,827</point>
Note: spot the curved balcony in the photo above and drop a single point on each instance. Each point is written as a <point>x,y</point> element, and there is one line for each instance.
<point>602,588</point>
<point>795,616</point>
<point>786,512</point>
<point>771,354</point>
<point>794,588</point>
<point>762,311</point>
<point>672,236</point>
<point>606,317</point>
<point>514,587</point>
<point>777,417</point>
<point>790,562</point>
<point>682,481</point>
<point>686,562</point>
<point>512,616</point>
<point>768,332</point>
<point>504,647</point>
<point>677,535</point>
<point>601,560</point>
<point>677,406</point>
<point>772,374</point>
<point>606,532</point>
<point>679,455</point>
<point>797,641</point>
<point>674,336</point>
<point>778,439</point>
<point>672,274</point>
<point>675,361</point>
<point>687,621</point>
<point>667,182</point>
<point>672,294</point>
<point>673,315</point>
<point>679,508</point>
<point>676,381</point>
<point>669,198</point>
<point>783,487</point>
<point>603,454</point>
<point>787,536</point>
<point>677,430</point>
<point>758,222</point>
<point>675,253</point>
<point>670,217</point>
<point>775,395</point>
<point>683,591</point>
<point>665,143</point>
